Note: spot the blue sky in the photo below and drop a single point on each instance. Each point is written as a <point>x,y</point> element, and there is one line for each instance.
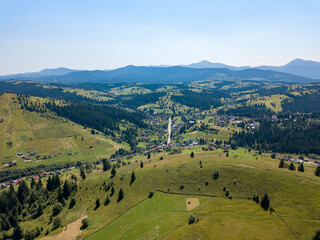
<point>94,34</point>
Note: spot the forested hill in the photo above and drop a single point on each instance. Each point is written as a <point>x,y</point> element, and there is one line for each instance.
<point>290,136</point>
<point>100,117</point>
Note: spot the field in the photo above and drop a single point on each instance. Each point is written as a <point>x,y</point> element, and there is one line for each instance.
<point>273,102</point>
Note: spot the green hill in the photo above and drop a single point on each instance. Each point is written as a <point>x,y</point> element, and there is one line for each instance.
<point>24,132</point>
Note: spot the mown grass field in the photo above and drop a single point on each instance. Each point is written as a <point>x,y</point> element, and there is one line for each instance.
<point>24,131</point>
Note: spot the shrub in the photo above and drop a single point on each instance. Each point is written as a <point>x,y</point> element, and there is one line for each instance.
<point>150,194</point>
<point>97,203</point>
<point>57,208</point>
<point>85,223</point>
<point>57,223</point>
<point>72,202</point>
<point>193,219</point>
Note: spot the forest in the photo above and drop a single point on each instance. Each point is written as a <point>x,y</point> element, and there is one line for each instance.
<point>300,137</point>
<point>251,111</point>
<point>203,100</point>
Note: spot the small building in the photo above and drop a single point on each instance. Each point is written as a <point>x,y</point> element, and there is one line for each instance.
<point>33,153</point>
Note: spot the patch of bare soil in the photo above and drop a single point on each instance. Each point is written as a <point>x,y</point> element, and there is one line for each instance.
<point>70,232</point>
<point>192,203</point>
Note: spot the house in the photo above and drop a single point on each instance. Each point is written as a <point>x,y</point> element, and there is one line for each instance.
<point>33,153</point>
<point>43,174</point>
<point>35,177</point>
<point>17,182</point>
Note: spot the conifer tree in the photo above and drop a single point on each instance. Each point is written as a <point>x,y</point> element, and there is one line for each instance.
<point>317,172</point>
<point>317,236</point>
<point>107,201</point>
<point>39,184</point>
<point>112,191</point>
<point>82,173</point>
<point>66,189</point>
<point>33,183</point>
<point>23,192</point>
<point>113,171</point>
<point>265,202</point>
<point>281,164</point>
<point>141,164</point>
<point>133,177</point>
<point>301,168</point>
<point>106,165</point>
<point>292,167</point>
<point>192,154</point>
<point>18,232</point>
<point>149,155</point>
<point>121,195</point>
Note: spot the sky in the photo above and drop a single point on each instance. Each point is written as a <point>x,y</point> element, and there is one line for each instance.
<point>83,34</point>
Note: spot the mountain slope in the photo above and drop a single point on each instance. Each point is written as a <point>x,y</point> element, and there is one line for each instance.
<point>176,74</point>
<point>34,75</point>
<point>207,64</point>
<point>306,68</point>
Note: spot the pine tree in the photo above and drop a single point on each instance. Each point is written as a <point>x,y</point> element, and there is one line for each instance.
<point>192,154</point>
<point>292,167</point>
<point>120,195</point>
<point>317,172</point>
<point>23,192</point>
<point>107,201</point>
<point>113,171</point>
<point>281,164</point>
<point>106,165</point>
<point>66,189</point>
<point>82,173</point>
<point>18,232</point>
<point>149,155</point>
<point>39,185</point>
<point>301,168</point>
<point>33,183</point>
<point>141,164</point>
<point>112,191</point>
<point>257,199</point>
<point>13,200</point>
<point>133,177</point>
<point>265,202</point>
<point>39,210</point>
<point>317,236</point>
<point>97,203</point>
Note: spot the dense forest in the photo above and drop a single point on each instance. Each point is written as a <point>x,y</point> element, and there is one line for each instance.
<point>252,111</point>
<point>100,117</point>
<point>139,100</point>
<point>201,100</point>
<point>307,103</point>
<point>300,137</point>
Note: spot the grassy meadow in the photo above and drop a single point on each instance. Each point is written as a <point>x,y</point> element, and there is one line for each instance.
<point>292,194</point>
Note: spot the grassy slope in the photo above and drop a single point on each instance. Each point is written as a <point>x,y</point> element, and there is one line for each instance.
<point>243,176</point>
<point>47,134</point>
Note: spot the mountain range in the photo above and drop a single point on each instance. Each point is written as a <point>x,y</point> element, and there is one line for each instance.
<point>297,71</point>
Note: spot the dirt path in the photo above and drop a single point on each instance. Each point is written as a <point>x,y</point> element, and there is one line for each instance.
<point>70,232</point>
<point>9,120</point>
